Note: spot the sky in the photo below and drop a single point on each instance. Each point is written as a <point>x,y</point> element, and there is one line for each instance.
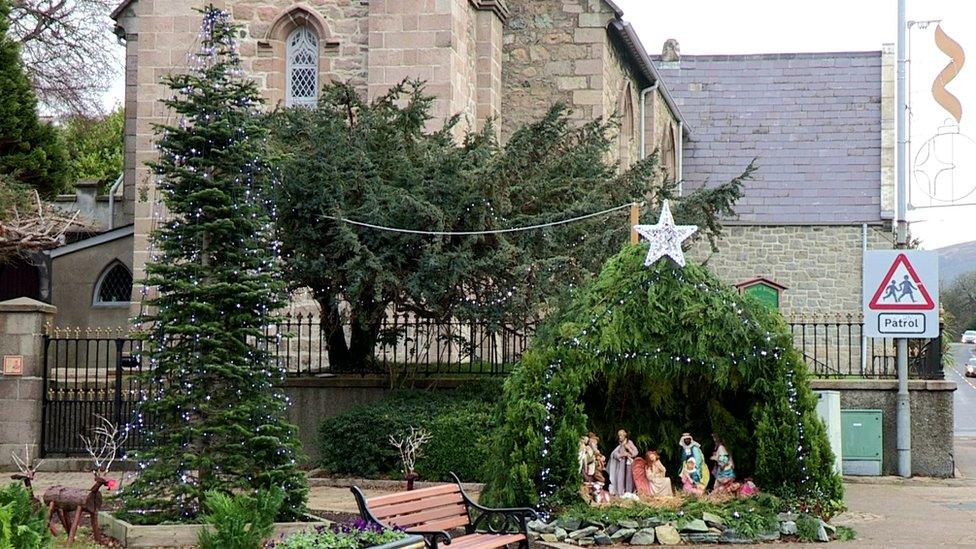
<point>775,26</point>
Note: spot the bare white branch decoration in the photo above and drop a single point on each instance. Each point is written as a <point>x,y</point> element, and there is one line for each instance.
<point>410,447</point>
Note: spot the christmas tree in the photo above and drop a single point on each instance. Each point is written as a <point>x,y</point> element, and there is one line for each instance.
<point>214,416</point>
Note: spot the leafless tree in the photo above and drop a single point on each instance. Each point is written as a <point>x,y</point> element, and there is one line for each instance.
<point>69,51</point>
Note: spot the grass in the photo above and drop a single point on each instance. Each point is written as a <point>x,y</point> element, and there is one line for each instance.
<point>845,533</point>
<point>83,540</point>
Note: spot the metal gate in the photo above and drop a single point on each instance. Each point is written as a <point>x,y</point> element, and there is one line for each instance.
<point>86,377</point>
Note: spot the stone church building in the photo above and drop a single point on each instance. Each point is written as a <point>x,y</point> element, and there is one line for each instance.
<point>503,60</point>
<point>820,125</point>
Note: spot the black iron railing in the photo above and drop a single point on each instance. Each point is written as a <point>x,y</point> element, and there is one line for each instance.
<point>838,348</point>
<point>406,344</point>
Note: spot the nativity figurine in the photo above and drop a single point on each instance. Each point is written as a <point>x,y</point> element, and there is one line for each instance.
<point>688,448</point>
<point>621,465</point>
<point>651,477</point>
<point>724,470</point>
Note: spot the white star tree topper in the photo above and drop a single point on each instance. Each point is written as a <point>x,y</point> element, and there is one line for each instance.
<point>665,237</point>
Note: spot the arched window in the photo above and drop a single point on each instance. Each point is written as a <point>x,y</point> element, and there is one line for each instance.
<point>303,67</point>
<point>114,286</point>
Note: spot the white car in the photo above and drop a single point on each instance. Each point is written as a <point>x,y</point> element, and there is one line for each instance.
<point>971,367</point>
<point>969,336</point>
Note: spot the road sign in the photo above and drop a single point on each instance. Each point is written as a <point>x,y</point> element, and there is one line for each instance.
<point>901,293</point>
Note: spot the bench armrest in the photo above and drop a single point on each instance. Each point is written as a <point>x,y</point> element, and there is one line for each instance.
<point>498,521</point>
<point>431,537</point>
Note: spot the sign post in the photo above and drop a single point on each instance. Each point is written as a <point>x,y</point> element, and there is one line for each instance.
<point>900,296</point>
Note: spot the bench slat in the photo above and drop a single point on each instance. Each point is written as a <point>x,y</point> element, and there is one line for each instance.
<point>443,524</point>
<point>416,506</point>
<point>485,541</point>
<point>412,520</point>
<point>401,497</point>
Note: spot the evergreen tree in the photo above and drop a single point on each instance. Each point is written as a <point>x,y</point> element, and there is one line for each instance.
<point>216,415</point>
<point>377,162</point>
<point>30,150</point>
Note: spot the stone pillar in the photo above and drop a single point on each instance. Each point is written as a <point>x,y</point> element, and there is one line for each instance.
<point>22,323</point>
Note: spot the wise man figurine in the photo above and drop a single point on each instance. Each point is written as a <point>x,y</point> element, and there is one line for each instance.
<point>691,449</point>
<point>621,465</point>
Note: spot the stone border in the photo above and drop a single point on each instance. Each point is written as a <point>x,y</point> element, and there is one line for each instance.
<point>880,385</point>
<point>179,535</point>
<point>379,484</point>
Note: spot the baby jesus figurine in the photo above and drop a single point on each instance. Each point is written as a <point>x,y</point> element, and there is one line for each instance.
<point>650,476</point>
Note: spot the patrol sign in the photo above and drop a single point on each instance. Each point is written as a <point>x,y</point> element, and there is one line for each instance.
<point>901,293</point>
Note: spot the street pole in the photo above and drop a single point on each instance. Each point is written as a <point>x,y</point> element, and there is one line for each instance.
<point>904,419</point>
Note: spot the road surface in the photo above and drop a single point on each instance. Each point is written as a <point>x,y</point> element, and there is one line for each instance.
<point>964,398</point>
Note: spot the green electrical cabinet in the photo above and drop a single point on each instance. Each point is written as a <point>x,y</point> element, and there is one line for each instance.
<point>861,442</point>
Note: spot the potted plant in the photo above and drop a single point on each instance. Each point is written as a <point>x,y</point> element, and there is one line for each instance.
<point>358,534</point>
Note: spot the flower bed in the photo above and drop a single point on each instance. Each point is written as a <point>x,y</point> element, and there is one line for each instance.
<point>356,535</point>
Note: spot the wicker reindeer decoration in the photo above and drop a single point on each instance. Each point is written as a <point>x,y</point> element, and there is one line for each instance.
<point>103,448</point>
<point>27,468</point>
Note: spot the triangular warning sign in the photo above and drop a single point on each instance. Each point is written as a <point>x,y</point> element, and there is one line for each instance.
<point>901,289</point>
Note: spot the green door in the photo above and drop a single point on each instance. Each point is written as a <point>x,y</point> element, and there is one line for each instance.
<point>861,435</point>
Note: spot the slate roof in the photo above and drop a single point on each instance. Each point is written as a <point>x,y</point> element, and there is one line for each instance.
<point>812,120</point>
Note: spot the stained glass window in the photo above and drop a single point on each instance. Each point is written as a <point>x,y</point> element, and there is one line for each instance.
<point>303,68</point>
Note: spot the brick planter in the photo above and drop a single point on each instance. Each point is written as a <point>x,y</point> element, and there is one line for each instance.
<point>134,536</point>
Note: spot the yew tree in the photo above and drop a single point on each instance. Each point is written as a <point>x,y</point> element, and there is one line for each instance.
<point>380,163</point>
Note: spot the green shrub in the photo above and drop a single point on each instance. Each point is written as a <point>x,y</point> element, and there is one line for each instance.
<point>21,525</point>
<point>807,528</point>
<point>240,521</point>
<point>357,442</point>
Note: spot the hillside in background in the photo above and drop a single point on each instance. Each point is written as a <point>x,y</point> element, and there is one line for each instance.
<point>956,260</point>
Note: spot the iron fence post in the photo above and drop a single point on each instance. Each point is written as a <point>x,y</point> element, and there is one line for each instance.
<point>45,339</point>
<point>119,347</point>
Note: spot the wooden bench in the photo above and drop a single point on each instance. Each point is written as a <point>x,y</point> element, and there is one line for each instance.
<point>432,512</point>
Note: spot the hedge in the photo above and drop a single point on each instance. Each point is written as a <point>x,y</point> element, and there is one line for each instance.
<point>356,442</point>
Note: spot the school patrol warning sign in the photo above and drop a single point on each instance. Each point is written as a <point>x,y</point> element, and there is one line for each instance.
<point>901,294</point>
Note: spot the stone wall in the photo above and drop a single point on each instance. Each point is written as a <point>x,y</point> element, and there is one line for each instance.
<point>932,417</point>
<point>343,29</point>
<point>819,265</point>
<point>73,279</point>
<point>313,400</point>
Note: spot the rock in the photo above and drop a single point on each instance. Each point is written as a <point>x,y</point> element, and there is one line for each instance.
<point>783,517</point>
<point>700,537</point>
<point>632,524</point>
<point>560,534</point>
<point>599,525</point>
<point>822,534</point>
<point>568,524</point>
<point>832,530</point>
<point>732,537</point>
<point>652,522</point>
<point>585,542</point>
<point>771,535</point>
<point>644,536</point>
<point>537,526</point>
<point>696,525</point>
<point>787,528</point>
<point>611,529</point>
<point>712,519</point>
<point>583,532</point>
<point>623,534</point>
<point>602,539</point>
<point>533,535</point>
<point>667,535</point>
<point>550,538</point>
